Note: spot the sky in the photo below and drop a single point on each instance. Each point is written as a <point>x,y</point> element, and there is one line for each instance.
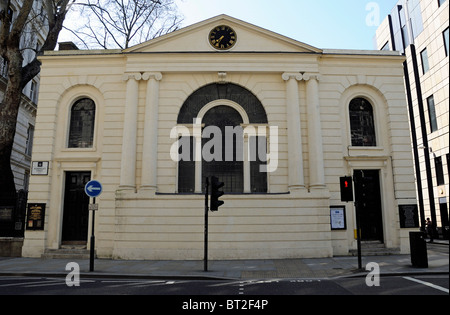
<point>338,24</point>
<point>334,24</point>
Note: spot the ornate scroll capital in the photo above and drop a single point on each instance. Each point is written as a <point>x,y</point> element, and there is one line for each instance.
<point>292,75</point>
<point>311,76</point>
<point>152,75</point>
<point>134,75</point>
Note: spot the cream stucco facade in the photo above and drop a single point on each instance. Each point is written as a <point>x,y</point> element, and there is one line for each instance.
<point>138,95</point>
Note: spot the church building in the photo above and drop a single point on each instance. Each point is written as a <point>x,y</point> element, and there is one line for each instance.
<point>277,120</point>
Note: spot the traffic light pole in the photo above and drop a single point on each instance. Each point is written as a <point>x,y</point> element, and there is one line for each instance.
<point>358,235</point>
<point>206,224</point>
<point>358,227</point>
<point>347,195</point>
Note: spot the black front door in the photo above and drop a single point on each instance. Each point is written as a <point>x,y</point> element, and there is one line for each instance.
<point>76,209</point>
<point>368,204</point>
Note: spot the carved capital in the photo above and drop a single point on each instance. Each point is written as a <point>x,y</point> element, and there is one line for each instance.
<point>135,75</point>
<point>292,75</point>
<point>152,75</point>
<point>311,76</point>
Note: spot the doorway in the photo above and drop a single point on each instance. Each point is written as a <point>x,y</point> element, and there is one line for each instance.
<point>76,209</point>
<point>368,204</point>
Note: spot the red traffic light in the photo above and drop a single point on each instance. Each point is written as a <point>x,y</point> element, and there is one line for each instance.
<point>346,189</point>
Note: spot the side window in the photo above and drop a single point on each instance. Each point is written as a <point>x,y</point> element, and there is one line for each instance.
<point>432,114</point>
<point>362,123</point>
<point>82,121</point>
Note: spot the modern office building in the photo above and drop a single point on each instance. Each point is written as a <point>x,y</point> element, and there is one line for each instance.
<point>420,30</point>
<point>277,120</point>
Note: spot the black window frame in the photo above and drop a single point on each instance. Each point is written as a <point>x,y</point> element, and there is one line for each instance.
<point>432,114</point>
<point>362,123</point>
<point>439,169</point>
<point>82,124</point>
<point>446,41</point>
<point>425,60</point>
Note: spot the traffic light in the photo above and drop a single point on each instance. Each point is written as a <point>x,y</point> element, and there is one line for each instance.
<point>216,194</point>
<point>346,189</point>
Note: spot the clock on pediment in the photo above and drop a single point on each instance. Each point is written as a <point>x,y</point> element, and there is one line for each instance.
<point>222,37</point>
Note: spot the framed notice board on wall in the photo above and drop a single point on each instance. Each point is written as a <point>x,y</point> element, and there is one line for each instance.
<point>338,220</point>
<point>36,216</point>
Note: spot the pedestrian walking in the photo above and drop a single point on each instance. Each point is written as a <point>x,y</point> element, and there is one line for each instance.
<point>430,230</point>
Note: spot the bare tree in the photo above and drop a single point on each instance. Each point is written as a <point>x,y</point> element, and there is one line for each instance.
<point>121,24</point>
<point>53,13</point>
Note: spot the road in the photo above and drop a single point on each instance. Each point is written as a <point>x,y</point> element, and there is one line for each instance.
<point>392,285</point>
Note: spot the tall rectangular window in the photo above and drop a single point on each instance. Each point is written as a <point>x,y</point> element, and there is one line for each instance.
<point>448,166</point>
<point>445,34</point>
<point>30,136</point>
<point>425,64</point>
<point>439,171</point>
<point>405,36</point>
<point>432,114</point>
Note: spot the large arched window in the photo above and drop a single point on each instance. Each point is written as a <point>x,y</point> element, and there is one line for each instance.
<point>362,123</point>
<point>82,122</point>
<point>231,109</point>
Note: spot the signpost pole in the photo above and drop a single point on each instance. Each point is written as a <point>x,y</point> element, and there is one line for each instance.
<point>93,189</point>
<point>206,225</point>
<point>92,252</point>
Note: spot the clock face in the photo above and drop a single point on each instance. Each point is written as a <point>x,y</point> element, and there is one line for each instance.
<point>222,37</point>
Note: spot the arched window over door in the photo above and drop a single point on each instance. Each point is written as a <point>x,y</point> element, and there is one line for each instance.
<point>233,107</point>
<point>362,123</point>
<point>82,123</point>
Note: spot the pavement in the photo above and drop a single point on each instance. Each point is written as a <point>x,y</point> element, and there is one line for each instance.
<point>314,268</point>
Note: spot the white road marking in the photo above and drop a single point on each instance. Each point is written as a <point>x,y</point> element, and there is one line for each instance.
<point>427,284</point>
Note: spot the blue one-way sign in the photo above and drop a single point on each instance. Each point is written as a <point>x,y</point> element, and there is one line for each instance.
<point>93,189</point>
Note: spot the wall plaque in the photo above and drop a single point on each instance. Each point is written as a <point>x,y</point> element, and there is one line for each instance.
<point>409,216</point>
<point>6,213</point>
<point>39,168</point>
<point>36,216</point>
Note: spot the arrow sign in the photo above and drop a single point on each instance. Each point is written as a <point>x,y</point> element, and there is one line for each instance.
<point>93,189</point>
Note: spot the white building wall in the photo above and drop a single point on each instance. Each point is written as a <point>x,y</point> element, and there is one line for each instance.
<point>140,223</point>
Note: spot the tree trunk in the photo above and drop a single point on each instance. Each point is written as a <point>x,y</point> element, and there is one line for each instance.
<point>9,110</point>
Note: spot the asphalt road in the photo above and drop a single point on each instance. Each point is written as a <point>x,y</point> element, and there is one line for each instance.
<point>394,285</point>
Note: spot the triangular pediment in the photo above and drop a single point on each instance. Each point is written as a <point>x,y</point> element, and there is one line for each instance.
<point>250,38</point>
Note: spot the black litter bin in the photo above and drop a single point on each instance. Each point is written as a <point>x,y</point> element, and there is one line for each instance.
<point>419,255</point>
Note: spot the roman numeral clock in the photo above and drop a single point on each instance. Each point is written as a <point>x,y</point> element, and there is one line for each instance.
<point>222,37</point>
